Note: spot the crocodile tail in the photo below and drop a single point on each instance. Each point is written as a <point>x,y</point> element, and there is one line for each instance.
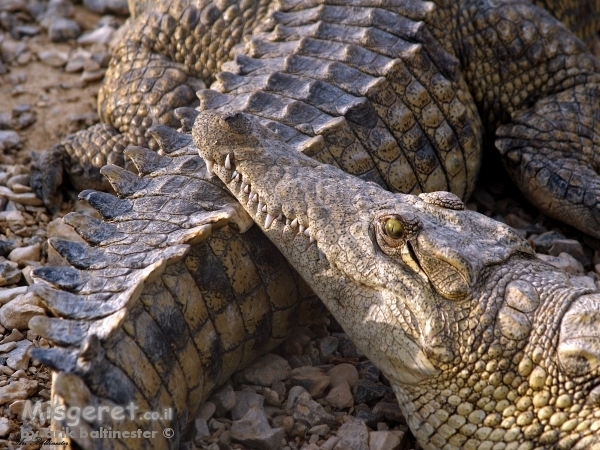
<point>150,316</point>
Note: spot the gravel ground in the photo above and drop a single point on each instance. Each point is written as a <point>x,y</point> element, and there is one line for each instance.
<point>317,391</point>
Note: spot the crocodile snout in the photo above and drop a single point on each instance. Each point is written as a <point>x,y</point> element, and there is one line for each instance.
<point>579,342</point>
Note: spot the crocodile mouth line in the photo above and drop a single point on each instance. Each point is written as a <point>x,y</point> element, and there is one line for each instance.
<point>257,206</point>
<point>410,258</point>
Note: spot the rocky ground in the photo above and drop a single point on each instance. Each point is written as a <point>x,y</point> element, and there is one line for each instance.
<point>317,391</point>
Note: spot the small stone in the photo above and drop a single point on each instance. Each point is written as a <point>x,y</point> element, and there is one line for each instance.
<point>6,122</point>
<point>223,399</point>
<point>343,372</point>
<point>305,409</point>
<point>244,400</point>
<point>202,432</point>
<point>254,431</point>
<point>313,379</point>
<point>102,35</point>
<point>62,29</point>
<point>366,390</point>
<point>570,246</point>
<point>5,248</point>
<point>299,429</point>
<point>543,242</point>
<point>279,387</point>
<point>20,389</point>
<point>20,189</point>
<point>516,221</point>
<point>107,6</point>
<point>264,371</point>
<point>319,430</point>
<point>348,349</point>
<point>564,262</point>
<point>364,413</point>
<point>296,361</point>
<point>7,426</point>
<point>271,397</point>
<point>391,411</point>
<point>23,199</point>
<point>353,435</point>
<point>330,443</point>
<point>27,30</point>
<point>9,139</point>
<point>20,374</point>
<point>367,369</point>
<point>9,273</point>
<point>91,76</point>
<point>7,347</point>
<point>327,346</point>
<point>18,312</point>
<point>384,440</point>
<point>53,58</point>
<point>285,422</point>
<point>6,295</point>
<point>340,397</point>
<point>23,254</point>
<point>206,411</point>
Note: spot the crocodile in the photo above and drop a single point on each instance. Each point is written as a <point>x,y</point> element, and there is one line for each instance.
<point>404,119</point>
<point>484,345</point>
<point>399,92</point>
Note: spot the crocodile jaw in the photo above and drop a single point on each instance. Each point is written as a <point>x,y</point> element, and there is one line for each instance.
<point>460,315</point>
<point>328,225</point>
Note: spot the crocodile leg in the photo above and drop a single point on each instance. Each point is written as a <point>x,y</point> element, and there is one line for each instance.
<point>164,55</point>
<point>528,72</point>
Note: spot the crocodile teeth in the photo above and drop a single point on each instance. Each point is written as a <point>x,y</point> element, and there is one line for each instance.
<point>311,240</point>
<point>254,197</point>
<point>280,217</point>
<point>247,189</point>
<point>238,178</point>
<point>228,162</point>
<point>264,208</point>
<point>234,175</point>
<point>209,166</point>
<point>294,223</point>
<point>307,232</point>
<point>269,221</point>
<point>302,228</point>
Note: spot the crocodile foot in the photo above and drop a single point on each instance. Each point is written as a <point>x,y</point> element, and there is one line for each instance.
<point>550,152</point>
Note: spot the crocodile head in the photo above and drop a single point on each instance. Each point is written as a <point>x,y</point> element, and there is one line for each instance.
<point>483,343</point>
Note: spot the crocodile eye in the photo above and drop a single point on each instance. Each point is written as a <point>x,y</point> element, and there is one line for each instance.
<point>394,228</point>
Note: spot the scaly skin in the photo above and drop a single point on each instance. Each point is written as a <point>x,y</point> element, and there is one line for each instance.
<point>485,346</point>
<point>398,93</point>
<point>154,311</point>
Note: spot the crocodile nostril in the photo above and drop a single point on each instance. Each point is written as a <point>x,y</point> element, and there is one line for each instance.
<point>579,343</point>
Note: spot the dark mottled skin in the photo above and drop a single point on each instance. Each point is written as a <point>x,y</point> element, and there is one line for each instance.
<point>400,96</point>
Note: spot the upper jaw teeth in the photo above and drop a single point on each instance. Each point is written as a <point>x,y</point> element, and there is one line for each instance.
<point>253,197</point>
<point>209,166</point>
